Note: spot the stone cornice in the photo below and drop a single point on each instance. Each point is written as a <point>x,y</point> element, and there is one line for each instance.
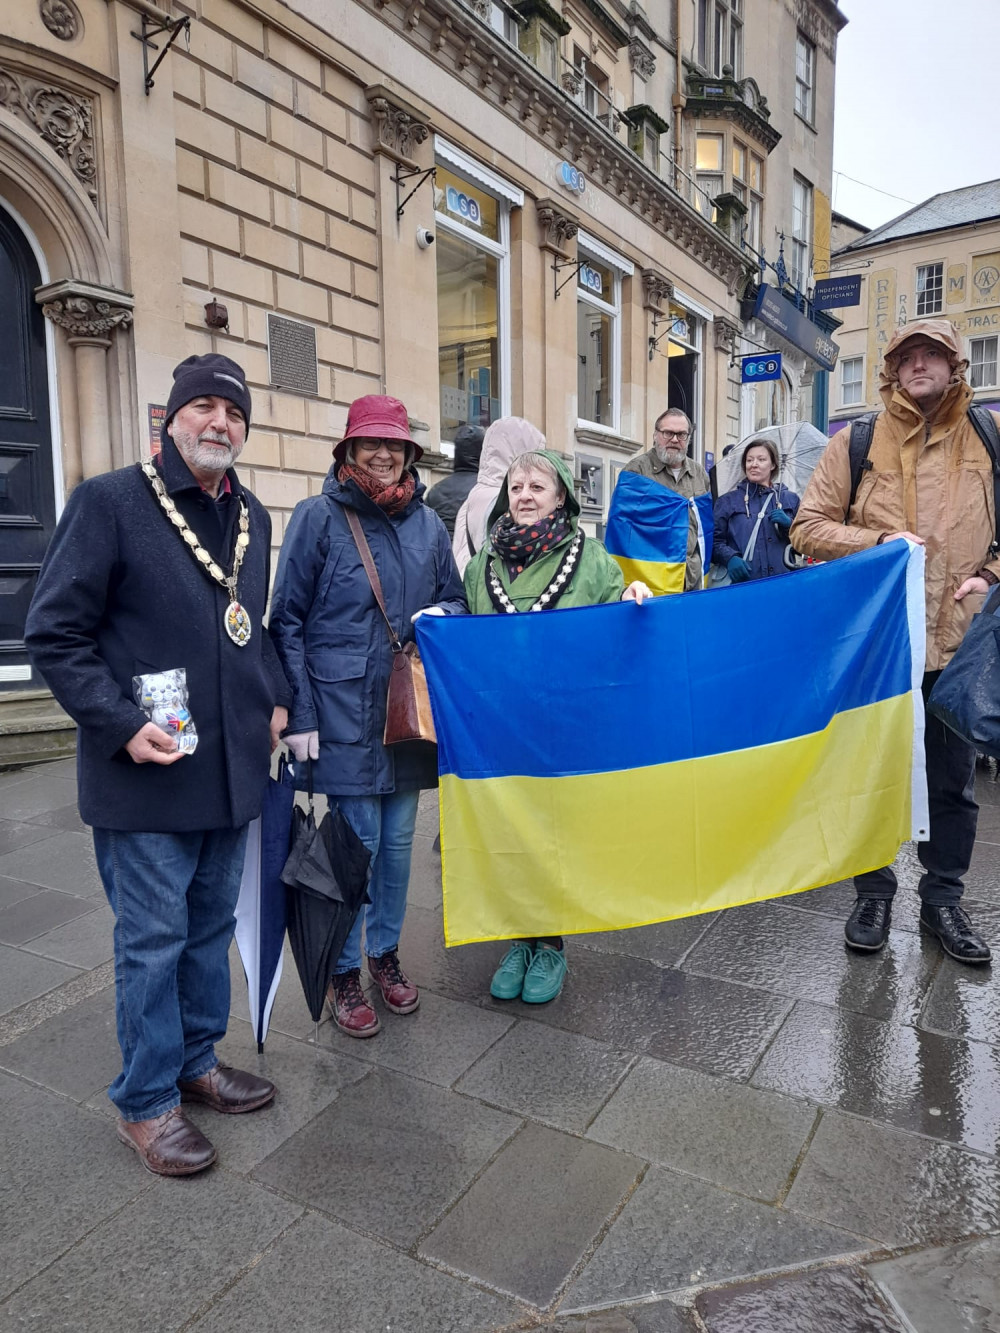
<point>471,51</point>
<point>613,30</point>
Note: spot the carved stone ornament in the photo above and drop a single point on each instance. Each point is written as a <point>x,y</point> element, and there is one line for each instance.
<point>397,130</point>
<point>726,331</point>
<point>64,120</point>
<point>557,227</point>
<point>87,313</point>
<point>572,81</point>
<point>641,59</point>
<point>482,9</point>
<point>656,289</point>
<point>62,18</point>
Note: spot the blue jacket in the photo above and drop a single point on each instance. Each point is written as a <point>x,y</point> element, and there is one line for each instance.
<point>332,640</point>
<point>120,594</point>
<point>736,513</point>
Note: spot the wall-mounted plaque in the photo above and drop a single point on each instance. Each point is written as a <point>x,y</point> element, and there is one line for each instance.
<point>291,352</point>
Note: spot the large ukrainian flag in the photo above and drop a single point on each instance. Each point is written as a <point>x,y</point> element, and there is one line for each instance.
<point>617,765</point>
<point>647,531</point>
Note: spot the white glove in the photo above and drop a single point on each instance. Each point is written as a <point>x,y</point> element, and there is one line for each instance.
<point>427,611</point>
<point>303,745</point>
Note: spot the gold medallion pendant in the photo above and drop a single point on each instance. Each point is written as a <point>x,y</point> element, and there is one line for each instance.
<point>237,624</point>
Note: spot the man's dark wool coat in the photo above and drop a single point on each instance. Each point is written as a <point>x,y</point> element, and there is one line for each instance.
<point>120,594</point>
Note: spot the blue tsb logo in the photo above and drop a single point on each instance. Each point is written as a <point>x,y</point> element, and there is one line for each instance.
<point>572,178</point>
<point>463,206</point>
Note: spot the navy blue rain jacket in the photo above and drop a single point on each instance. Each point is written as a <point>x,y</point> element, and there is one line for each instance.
<point>332,640</point>
<point>735,514</point>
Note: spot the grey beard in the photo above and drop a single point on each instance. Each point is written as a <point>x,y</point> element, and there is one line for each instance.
<point>209,458</point>
<point>672,457</point>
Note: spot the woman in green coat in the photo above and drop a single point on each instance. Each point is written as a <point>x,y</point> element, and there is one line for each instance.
<point>538,558</point>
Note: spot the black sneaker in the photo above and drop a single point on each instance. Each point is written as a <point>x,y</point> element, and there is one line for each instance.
<point>867,927</point>
<point>951,925</point>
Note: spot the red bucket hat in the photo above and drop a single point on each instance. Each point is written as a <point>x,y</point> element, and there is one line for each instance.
<point>377,417</point>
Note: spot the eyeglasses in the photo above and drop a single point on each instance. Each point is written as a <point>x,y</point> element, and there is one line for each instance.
<point>679,435</point>
<point>373,446</point>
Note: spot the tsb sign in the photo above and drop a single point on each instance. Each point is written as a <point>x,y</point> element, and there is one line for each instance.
<point>756,368</point>
<point>571,178</point>
<point>591,279</point>
<point>463,206</point>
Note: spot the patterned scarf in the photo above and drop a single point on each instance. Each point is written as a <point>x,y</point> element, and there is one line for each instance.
<point>392,498</point>
<point>519,546</point>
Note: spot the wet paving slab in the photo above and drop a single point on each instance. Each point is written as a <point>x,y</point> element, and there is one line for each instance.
<point>943,1087</point>
<point>837,1300</point>
<point>964,1002</point>
<point>955,1289</point>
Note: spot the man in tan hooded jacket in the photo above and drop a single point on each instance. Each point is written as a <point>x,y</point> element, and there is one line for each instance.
<point>930,480</point>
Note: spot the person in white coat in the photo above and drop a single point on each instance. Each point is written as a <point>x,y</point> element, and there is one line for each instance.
<point>504,441</point>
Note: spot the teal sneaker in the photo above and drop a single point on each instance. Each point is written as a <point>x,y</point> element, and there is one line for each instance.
<point>509,976</point>
<point>545,976</point>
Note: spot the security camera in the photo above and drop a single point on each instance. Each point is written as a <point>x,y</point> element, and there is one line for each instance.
<point>425,238</point>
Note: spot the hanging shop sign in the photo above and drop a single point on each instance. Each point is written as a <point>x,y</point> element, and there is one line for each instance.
<point>778,313</point>
<point>753,369</point>
<point>837,293</point>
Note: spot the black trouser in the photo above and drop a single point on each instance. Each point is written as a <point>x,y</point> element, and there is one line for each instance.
<point>951,781</point>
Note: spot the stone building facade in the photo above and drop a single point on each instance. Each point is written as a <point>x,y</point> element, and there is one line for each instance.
<point>480,206</point>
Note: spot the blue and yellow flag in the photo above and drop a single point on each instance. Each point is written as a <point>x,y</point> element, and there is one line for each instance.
<point>647,531</point>
<point>612,766</point>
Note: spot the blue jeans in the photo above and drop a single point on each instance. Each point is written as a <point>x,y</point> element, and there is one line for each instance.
<point>385,825</point>
<point>173,896</point>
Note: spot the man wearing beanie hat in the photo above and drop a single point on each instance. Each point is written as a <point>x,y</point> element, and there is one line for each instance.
<point>163,567</point>
<point>448,496</point>
<point>926,476</point>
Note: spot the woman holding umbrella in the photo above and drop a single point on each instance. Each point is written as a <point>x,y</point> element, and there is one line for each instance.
<point>752,520</point>
<point>537,558</point>
<point>332,640</point>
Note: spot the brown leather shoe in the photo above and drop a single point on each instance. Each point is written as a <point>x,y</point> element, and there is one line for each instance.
<point>351,1011</point>
<point>398,992</point>
<point>168,1145</point>
<point>230,1091</point>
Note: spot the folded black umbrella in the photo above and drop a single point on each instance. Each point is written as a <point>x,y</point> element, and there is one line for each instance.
<point>326,882</point>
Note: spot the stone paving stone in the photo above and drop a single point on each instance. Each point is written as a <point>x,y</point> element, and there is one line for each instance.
<point>42,912</point>
<point>64,861</point>
<point>63,1171</point>
<point>836,901</point>
<point>15,891</point>
<point>428,818</point>
<point>724,1132</point>
<point>35,794</point>
<point>425,874</point>
<point>389,1155</point>
<point>547,1074</point>
<point>803,955</point>
<point>834,1301</point>
<point>896,1187</point>
<point>86,942</point>
<point>289,1013</point>
<point>159,1260</point>
<point>963,1002</point>
<point>438,1042</point>
<point>652,1317</point>
<point>665,943</point>
<point>307,1079</point>
<point>320,1276</point>
<point>75,1053</point>
<point>528,1220</point>
<point>940,1086</point>
<point>14,834</point>
<point>66,818</point>
<point>676,1232</point>
<point>24,976</point>
<point>462,973</point>
<point>954,1290</point>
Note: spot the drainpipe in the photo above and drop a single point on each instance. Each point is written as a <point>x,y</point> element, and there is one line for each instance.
<point>678,100</point>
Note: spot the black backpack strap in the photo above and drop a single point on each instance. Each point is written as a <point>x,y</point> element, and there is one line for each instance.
<point>862,430</point>
<point>984,423</point>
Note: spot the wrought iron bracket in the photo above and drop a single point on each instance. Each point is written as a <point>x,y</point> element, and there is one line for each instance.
<point>404,174</point>
<point>654,338</point>
<point>557,265</point>
<point>151,28</point>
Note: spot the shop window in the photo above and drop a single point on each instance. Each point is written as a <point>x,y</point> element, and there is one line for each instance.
<point>852,388</point>
<point>598,325</point>
<point>801,248</point>
<point>983,362</point>
<point>805,79</point>
<point>930,288</point>
<point>472,253</point>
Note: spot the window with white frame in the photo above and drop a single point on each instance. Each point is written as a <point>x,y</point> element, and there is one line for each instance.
<point>472,214</point>
<point>983,362</point>
<point>852,375</point>
<point>720,35</point>
<point>805,78</point>
<point>598,333</point>
<point>802,213</point>
<point>709,171</point>
<point>748,187</point>
<point>930,289</point>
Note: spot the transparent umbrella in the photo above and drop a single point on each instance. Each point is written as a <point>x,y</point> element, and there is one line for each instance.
<point>799,446</point>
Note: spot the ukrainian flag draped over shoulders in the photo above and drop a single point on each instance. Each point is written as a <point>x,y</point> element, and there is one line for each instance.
<point>613,766</point>
<point>647,531</point>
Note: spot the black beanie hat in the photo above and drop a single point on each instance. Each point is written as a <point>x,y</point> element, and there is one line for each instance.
<point>211,376</point>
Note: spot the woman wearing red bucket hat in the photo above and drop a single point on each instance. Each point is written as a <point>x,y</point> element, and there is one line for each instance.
<point>333,643</point>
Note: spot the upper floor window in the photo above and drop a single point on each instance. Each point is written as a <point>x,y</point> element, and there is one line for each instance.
<point>852,389</point>
<point>805,78</point>
<point>720,35</point>
<point>930,289</point>
<point>802,213</point>
<point>748,187</point>
<point>709,171</point>
<point>983,362</point>
<point>595,89</point>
